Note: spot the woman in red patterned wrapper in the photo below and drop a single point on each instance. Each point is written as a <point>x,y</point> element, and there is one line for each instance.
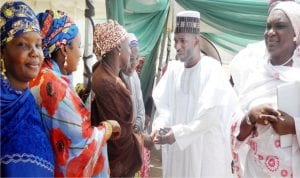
<point>80,149</point>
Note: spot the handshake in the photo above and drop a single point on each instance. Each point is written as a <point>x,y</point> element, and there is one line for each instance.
<point>163,136</point>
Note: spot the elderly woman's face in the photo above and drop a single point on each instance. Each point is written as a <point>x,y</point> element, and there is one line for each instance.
<point>23,57</point>
<point>125,54</point>
<point>279,35</point>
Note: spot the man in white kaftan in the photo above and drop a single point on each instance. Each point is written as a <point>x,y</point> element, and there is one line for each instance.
<point>194,104</point>
<point>271,152</point>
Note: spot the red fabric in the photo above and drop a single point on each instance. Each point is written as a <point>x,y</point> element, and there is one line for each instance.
<point>76,167</point>
<point>52,93</point>
<point>145,169</point>
<point>61,144</point>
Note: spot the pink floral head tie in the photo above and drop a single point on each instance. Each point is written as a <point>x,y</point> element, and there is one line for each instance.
<point>107,36</point>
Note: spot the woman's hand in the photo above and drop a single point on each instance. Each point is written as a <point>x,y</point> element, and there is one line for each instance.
<point>263,114</point>
<point>283,124</point>
<point>148,142</point>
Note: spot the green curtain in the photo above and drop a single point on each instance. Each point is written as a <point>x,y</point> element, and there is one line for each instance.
<point>146,19</point>
<point>148,73</point>
<point>242,18</point>
<point>115,10</point>
<point>229,42</point>
<point>147,27</point>
<point>241,21</point>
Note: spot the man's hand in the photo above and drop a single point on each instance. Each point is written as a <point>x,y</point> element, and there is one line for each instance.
<point>263,114</point>
<point>165,136</point>
<point>136,129</point>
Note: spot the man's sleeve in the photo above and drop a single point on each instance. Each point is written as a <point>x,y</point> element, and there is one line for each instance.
<point>186,134</point>
<point>213,109</point>
<point>162,99</point>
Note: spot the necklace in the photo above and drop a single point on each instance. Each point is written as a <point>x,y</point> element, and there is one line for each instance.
<point>283,63</point>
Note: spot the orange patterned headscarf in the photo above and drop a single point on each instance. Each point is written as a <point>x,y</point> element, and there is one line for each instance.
<point>107,36</point>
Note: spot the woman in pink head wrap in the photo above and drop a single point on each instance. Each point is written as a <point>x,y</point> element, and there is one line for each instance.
<point>113,99</point>
<point>273,136</point>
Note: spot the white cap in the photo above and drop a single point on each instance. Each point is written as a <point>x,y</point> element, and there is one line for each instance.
<point>133,42</point>
<point>194,14</point>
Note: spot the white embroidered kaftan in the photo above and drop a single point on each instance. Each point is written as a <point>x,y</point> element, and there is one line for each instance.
<point>197,103</point>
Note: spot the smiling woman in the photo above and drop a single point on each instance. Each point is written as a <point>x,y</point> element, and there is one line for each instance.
<point>79,149</point>
<point>25,58</point>
<point>272,135</point>
<point>279,37</point>
<point>25,148</point>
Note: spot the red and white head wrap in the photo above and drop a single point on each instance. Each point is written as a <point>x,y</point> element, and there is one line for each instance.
<point>107,36</point>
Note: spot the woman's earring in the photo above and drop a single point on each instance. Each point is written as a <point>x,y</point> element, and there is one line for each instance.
<point>66,61</point>
<point>119,54</point>
<point>2,68</point>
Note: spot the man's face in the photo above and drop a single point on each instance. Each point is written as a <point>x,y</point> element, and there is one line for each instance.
<point>125,54</point>
<point>185,45</point>
<point>133,62</point>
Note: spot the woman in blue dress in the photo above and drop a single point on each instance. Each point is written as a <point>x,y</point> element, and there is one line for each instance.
<point>25,148</point>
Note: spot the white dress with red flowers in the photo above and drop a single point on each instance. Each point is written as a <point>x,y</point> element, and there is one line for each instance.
<point>267,154</point>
